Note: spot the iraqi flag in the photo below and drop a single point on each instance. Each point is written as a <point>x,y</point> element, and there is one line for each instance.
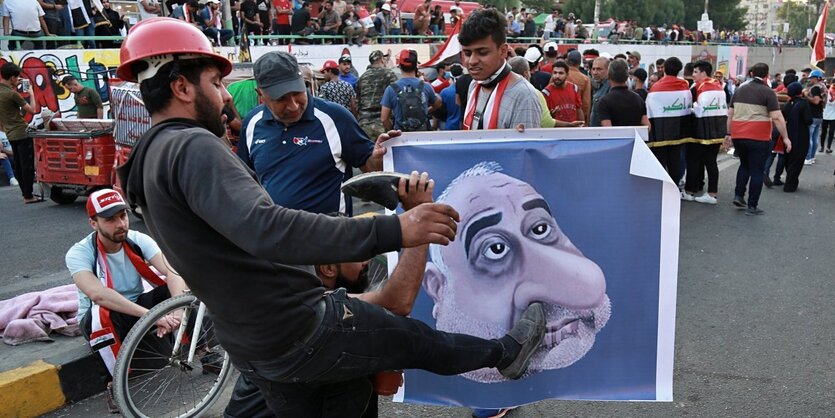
<point>819,38</point>
<point>450,48</point>
<point>669,108</point>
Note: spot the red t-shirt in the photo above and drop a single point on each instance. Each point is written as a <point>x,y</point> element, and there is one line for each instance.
<point>564,102</point>
<point>280,18</point>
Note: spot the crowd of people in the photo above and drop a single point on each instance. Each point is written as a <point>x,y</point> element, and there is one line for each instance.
<point>343,21</point>
<point>691,111</point>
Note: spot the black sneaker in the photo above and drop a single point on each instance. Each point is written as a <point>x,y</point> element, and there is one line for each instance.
<point>739,202</point>
<point>753,211</point>
<point>778,182</point>
<point>767,181</point>
<point>528,332</point>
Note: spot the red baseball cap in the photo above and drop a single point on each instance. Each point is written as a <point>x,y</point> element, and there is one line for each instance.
<point>329,65</point>
<point>105,203</point>
<point>407,57</point>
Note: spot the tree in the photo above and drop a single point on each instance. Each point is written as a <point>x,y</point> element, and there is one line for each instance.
<point>540,6</point>
<point>800,16</point>
<point>502,5</point>
<point>724,13</point>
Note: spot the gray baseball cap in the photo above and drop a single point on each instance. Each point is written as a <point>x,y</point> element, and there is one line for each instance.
<point>277,73</point>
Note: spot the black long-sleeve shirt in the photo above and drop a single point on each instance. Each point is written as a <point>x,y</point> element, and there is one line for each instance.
<point>246,258</point>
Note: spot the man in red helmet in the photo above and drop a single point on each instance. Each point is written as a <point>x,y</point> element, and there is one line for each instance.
<point>249,260</point>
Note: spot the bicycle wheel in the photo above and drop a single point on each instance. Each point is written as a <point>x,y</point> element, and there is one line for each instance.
<point>151,380</point>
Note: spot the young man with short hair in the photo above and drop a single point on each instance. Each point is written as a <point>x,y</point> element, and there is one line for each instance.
<point>87,101</point>
<point>563,96</point>
<point>398,115</point>
<point>710,120</point>
<point>11,119</point>
<point>498,98</point>
<point>669,105</point>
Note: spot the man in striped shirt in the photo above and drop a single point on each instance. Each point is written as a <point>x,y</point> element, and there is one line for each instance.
<point>753,109</point>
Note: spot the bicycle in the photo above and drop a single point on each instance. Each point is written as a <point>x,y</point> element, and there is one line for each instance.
<point>179,375</point>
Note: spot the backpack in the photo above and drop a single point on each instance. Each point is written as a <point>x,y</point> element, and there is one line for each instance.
<point>413,112</point>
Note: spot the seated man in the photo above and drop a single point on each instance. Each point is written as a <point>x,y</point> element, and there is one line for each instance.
<point>108,266</point>
<point>397,295</point>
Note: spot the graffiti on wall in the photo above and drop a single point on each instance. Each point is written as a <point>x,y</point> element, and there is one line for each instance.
<point>46,69</point>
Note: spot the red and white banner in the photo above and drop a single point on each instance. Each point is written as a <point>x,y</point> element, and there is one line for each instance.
<point>450,48</point>
<point>819,39</point>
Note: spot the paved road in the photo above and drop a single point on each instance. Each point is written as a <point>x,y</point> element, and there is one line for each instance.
<point>754,333</point>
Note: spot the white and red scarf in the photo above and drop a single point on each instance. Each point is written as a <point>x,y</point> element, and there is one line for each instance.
<point>491,108</point>
<point>103,337</point>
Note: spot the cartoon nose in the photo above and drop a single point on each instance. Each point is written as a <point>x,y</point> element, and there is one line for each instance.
<point>555,276</point>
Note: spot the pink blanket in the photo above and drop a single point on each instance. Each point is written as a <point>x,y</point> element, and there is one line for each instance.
<point>32,316</point>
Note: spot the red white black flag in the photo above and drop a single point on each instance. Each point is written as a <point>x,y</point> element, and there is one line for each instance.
<point>450,48</point>
<point>819,38</point>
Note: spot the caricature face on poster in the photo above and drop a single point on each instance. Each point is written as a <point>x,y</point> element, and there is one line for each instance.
<point>576,223</point>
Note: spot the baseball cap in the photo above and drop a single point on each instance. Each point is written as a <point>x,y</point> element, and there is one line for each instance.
<point>533,55</point>
<point>407,57</point>
<point>277,73</point>
<point>213,1</point>
<point>345,58</point>
<point>574,57</point>
<point>386,7</point>
<point>375,56</point>
<point>635,54</point>
<point>329,65</point>
<point>105,203</point>
<point>641,74</point>
<point>817,73</point>
<point>550,47</point>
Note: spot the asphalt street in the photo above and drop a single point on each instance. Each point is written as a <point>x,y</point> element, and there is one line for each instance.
<point>754,334</point>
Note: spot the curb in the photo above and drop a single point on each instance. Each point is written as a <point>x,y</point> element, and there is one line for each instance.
<point>48,384</point>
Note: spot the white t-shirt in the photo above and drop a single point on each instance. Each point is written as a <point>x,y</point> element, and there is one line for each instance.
<point>142,13</point>
<point>126,280</point>
<point>24,14</point>
<point>550,23</point>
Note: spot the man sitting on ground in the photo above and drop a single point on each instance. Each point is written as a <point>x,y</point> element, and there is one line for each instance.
<point>108,267</point>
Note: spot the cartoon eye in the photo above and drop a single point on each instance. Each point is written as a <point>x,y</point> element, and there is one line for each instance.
<point>496,251</point>
<point>541,231</point>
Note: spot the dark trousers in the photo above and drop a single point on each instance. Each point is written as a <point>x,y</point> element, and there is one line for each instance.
<point>122,324</point>
<point>827,133</point>
<point>670,158</point>
<point>35,44</point>
<point>794,164</point>
<point>328,374</point>
<point>24,165</point>
<point>281,30</point>
<point>752,156</point>
<point>781,164</point>
<point>700,158</point>
<point>55,27</point>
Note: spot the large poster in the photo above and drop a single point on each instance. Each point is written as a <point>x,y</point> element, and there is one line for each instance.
<point>732,60</point>
<point>583,220</point>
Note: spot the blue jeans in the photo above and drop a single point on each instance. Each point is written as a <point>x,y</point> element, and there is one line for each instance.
<point>214,34</point>
<point>355,340</point>
<point>7,167</point>
<point>752,156</point>
<point>90,30</point>
<point>814,135</point>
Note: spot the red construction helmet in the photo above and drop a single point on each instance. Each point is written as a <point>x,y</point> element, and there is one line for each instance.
<point>329,65</point>
<point>157,41</point>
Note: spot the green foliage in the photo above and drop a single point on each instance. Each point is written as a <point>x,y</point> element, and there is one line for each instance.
<point>800,16</point>
<point>724,13</point>
<point>541,6</point>
<point>502,5</point>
